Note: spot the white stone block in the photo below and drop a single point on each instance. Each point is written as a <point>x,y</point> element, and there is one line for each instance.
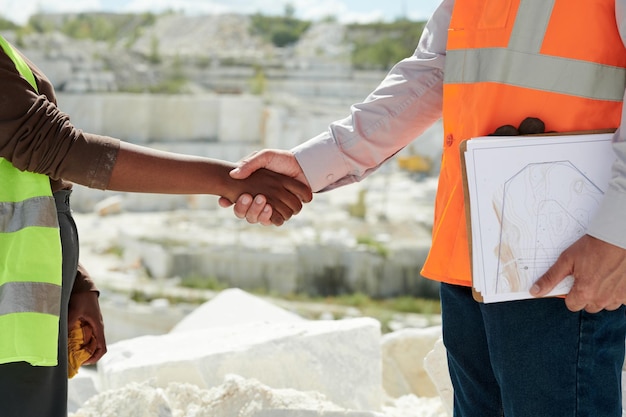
<point>81,388</point>
<point>403,365</point>
<point>85,110</point>
<point>240,119</point>
<point>233,307</point>
<point>329,357</point>
<point>177,118</point>
<point>126,116</point>
<point>124,321</point>
<point>436,364</point>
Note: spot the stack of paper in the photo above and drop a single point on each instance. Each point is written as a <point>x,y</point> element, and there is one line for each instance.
<point>530,197</point>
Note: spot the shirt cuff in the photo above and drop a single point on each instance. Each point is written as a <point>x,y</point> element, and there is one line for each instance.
<point>321,161</point>
<point>608,224</point>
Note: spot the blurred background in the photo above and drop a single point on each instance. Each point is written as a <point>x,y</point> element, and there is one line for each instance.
<point>223,79</point>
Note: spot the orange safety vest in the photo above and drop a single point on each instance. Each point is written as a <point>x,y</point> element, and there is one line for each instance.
<point>562,61</point>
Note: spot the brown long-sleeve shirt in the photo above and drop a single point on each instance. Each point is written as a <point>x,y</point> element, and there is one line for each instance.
<point>36,136</point>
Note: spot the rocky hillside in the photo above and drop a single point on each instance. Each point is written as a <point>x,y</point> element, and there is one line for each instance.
<point>173,53</point>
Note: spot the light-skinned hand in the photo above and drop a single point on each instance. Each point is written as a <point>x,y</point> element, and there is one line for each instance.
<point>257,210</point>
<point>599,271</point>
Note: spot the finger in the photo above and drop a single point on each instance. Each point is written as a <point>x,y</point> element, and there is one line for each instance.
<point>94,340</point>
<point>557,273</point>
<point>613,307</point>
<point>288,203</point>
<point>97,355</point>
<point>300,190</point>
<point>574,305</point>
<point>100,348</point>
<point>277,219</point>
<point>286,206</point>
<point>256,208</point>
<point>265,218</point>
<point>99,351</point>
<point>592,308</point>
<point>224,202</point>
<point>242,205</point>
<point>577,300</point>
<point>250,164</point>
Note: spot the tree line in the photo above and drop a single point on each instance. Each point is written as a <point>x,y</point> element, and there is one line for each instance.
<point>374,45</point>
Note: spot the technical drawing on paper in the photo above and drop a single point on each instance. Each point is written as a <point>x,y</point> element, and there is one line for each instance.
<point>554,202</point>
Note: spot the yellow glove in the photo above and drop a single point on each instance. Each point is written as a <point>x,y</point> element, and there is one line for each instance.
<point>80,346</point>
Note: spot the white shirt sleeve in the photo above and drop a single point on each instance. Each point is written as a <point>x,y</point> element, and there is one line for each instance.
<point>609,222</point>
<point>406,103</point>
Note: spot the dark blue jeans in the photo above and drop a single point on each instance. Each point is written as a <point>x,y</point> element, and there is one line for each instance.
<point>532,358</point>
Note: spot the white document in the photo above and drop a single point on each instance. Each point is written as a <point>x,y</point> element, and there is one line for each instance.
<point>530,198</point>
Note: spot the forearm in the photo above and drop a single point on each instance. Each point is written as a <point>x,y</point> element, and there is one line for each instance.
<point>141,169</point>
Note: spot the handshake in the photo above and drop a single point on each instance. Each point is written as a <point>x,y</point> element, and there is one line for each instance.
<point>279,184</point>
<point>281,187</point>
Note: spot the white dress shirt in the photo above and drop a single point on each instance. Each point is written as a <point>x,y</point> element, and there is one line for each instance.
<point>406,103</point>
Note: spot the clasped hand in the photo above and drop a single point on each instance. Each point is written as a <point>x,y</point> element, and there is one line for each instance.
<point>267,208</point>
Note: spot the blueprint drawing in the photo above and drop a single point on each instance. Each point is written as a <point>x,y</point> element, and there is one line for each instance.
<point>530,198</point>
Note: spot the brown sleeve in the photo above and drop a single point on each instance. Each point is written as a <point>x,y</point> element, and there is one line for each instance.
<point>83,282</point>
<point>36,136</point>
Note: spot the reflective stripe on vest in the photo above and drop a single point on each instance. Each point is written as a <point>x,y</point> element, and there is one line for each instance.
<point>559,60</point>
<point>30,259</point>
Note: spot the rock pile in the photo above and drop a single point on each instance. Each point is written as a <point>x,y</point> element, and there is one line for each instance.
<point>240,355</point>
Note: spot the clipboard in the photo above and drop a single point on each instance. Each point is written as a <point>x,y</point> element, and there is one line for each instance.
<point>535,147</point>
<point>468,222</point>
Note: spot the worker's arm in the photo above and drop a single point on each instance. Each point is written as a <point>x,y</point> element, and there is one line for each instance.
<point>406,103</point>
<point>36,136</point>
<point>141,169</point>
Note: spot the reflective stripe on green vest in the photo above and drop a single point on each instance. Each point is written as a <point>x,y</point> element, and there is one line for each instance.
<point>30,259</point>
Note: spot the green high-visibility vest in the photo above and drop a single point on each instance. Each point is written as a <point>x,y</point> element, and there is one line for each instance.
<point>30,259</point>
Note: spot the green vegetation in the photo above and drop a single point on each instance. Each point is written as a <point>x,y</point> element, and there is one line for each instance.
<point>365,303</point>
<point>376,46</point>
<point>203,283</point>
<point>373,244</point>
<point>359,208</point>
<point>174,81</point>
<point>7,24</point>
<point>384,310</point>
<point>258,84</point>
<point>108,27</point>
<point>280,30</point>
<point>380,45</point>
<point>154,57</point>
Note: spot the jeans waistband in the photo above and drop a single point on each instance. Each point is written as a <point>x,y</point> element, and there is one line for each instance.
<point>62,200</point>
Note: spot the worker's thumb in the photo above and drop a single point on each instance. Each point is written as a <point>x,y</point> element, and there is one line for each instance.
<point>249,164</point>
<point>551,278</point>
